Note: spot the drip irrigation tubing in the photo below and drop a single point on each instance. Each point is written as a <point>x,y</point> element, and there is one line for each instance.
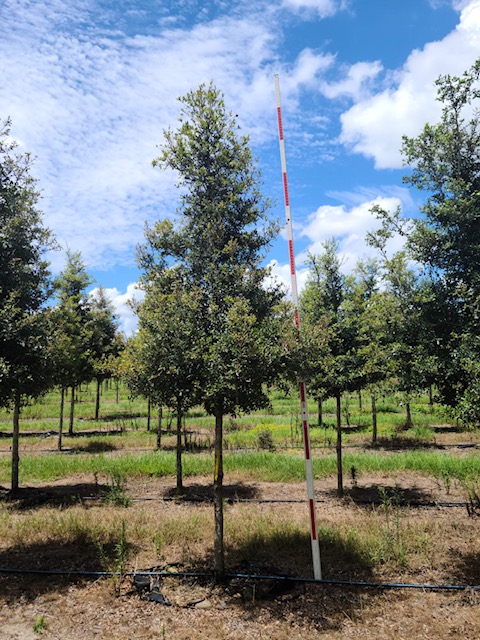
<point>406,503</point>
<point>244,576</point>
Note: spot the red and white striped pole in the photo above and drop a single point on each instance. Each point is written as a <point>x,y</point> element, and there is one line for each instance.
<point>317,572</point>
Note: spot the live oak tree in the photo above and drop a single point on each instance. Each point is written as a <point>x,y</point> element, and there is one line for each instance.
<point>25,371</point>
<point>327,309</point>
<point>216,248</point>
<point>444,163</point>
<point>72,330</point>
<point>165,357</point>
<point>105,342</point>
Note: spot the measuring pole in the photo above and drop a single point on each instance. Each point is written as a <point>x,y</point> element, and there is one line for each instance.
<point>317,572</point>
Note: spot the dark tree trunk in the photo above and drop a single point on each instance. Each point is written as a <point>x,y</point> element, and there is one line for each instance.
<point>159,428</point>
<point>218,547</point>
<point>60,421</point>
<point>116,391</point>
<point>72,412</point>
<point>320,412</point>
<point>359,393</point>
<point>149,413</point>
<point>430,398</point>
<point>15,443</point>
<point>179,453</point>
<point>339,447</point>
<point>374,420</point>
<point>408,423</point>
<point>97,399</point>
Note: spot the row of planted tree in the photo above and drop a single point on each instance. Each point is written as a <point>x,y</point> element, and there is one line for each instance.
<point>213,329</point>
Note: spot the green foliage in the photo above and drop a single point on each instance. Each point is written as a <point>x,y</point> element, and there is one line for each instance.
<point>25,370</point>
<point>233,334</point>
<point>40,625</point>
<point>117,491</point>
<point>72,324</point>
<point>115,562</point>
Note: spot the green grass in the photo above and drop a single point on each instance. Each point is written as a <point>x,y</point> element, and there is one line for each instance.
<point>256,466</point>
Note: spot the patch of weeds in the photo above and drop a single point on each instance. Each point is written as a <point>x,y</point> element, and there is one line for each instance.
<point>117,490</point>
<point>40,625</point>
<point>391,545</point>
<point>354,476</point>
<point>471,488</point>
<point>115,565</point>
<point>446,477</point>
<point>265,440</point>
<point>421,432</point>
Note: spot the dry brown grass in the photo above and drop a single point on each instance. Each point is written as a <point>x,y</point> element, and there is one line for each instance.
<point>359,542</point>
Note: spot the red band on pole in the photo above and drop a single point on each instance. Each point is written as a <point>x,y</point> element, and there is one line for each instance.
<point>292,257</point>
<point>285,190</point>
<point>312,520</point>
<point>307,440</point>
<point>280,124</point>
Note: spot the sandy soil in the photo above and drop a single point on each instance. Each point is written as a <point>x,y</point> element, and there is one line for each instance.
<point>89,608</point>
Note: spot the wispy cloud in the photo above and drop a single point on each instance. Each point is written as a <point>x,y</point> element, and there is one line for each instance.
<point>91,101</point>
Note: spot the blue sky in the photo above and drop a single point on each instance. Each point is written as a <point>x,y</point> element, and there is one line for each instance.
<point>91,85</point>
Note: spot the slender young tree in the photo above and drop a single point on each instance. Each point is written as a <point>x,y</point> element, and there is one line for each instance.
<point>25,368</point>
<point>105,340</point>
<point>72,328</point>
<point>215,250</point>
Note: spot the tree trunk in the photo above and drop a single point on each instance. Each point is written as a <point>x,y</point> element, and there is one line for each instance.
<point>60,421</point>
<point>408,423</point>
<point>185,435</point>
<point>430,398</point>
<point>179,453</point>
<point>374,420</point>
<point>149,412</point>
<point>320,412</point>
<point>359,393</point>
<point>72,412</point>
<point>97,400</point>
<point>15,443</point>
<point>339,447</point>
<point>218,547</point>
<point>159,428</point>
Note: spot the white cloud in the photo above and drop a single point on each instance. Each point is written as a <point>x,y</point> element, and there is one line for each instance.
<point>122,305</point>
<point>356,82</point>
<point>91,103</point>
<point>323,8</point>
<point>349,226</point>
<point>375,125</point>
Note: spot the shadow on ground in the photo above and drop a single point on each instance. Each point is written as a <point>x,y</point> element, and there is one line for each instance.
<point>387,495</point>
<point>82,554</point>
<point>58,495</point>
<point>465,568</point>
<point>204,493</point>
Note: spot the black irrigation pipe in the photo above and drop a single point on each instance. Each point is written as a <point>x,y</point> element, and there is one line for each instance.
<point>245,576</point>
<point>285,501</point>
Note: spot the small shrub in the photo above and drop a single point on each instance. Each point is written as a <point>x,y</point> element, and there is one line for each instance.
<point>40,625</point>
<point>116,493</point>
<point>265,440</point>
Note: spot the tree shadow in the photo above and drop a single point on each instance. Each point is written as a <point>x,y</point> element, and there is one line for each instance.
<point>378,494</point>
<point>204,493</point>
<point>60,495</point>
<point>63,559</point>
<point>399,443</point>
<point>465,568</point>
<point>95,446</point>
<point>277,558</point>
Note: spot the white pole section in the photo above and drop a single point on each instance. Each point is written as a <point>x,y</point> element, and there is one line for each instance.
<point>317,572</point>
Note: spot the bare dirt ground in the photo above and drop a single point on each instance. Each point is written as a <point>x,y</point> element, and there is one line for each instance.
<point>88,608</point>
